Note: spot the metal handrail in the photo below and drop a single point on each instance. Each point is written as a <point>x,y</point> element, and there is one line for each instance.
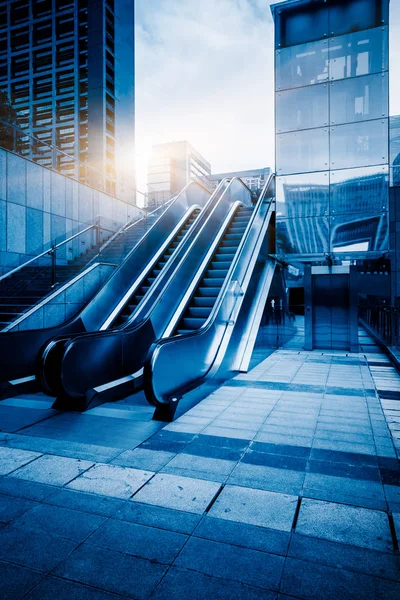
<point>52,250</point>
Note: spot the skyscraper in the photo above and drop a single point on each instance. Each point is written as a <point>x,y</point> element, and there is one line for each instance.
<point>68,69</point>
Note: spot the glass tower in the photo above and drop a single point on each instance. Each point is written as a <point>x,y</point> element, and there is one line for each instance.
<point>332,129</point>
<point>67,67</point>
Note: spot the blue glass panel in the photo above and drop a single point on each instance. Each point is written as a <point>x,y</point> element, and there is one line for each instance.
<point>302,65</point>
<point>360,191</point>
<point>302,108</point>
<point>359,99</point>
<point>357,54</point>
<point>308,235</point>
<point>347,16</point>
<point>395,150</point>
<point>359,144</point>
<point>296,25</point>
<point>357,233</point>
<point>302,195</point>
<point>302,151</point>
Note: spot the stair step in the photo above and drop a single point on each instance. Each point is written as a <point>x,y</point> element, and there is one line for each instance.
<point>205,301</point>
<point>198,312</point>
<point>213,282</point>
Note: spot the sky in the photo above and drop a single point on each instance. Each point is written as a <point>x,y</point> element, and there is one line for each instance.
<point>204,73</point>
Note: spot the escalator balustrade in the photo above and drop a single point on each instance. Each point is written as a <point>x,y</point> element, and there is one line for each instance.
<point>203,299</point>
<point>134,301</point>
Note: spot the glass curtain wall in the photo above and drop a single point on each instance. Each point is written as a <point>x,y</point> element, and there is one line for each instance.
<point>332,132</point>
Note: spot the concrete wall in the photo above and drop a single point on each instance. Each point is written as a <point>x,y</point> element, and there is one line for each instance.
<point>38,205</point>
<point>64,304</point>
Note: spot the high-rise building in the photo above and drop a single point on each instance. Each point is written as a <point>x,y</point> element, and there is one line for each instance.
<point>68,69</point>
<point>171,167</point>
<point>253,178</point>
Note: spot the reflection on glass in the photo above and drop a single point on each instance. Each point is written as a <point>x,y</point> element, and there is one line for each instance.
<point>359,99</point>
<point>359,190</point>
<point>360,53</point>
<point>307,235</point>
<point>302,65</point>
<point>302,151</point>
<point>359,144</point>
<point>302,195</point>
<point>394,130</point>
<point>360,233</point>
<point>301,25</point>
<point>346,17</point>
<point>302,108</point>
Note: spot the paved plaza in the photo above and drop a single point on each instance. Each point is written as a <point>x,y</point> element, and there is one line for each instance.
<point>284,483</point>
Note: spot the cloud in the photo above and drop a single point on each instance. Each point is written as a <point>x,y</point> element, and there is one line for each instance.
<point>204,73</point>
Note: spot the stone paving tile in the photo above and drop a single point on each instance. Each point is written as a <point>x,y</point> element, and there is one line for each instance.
<point>53,470</point>
<point>11,508</point>
<point>242,534</point>
<point>352,558</point>
<point>111,480</point>
<point>30,490</point>
<point>180,493</point>
<point>85,502</point>
<point>200,463</point>
<point>232,562</point>
<point>346,524</point>
<point>255,507</point>
<point>157,516</point>
<point>60,447</point>
<point>195,474</point>
<point>53,588</point>
<point>16,581</point>
<point>140,458</point>
<point>313,582</point>
<point>11,459</point>
<point>157,545</point>
<point>177,582</point>
<point>267,478</point>
<point>112,571</point>
<point>342,485</point>
<point>22,546</point>
<point>69,524</point>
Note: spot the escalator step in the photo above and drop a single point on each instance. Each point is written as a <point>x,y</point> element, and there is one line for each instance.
<point>199,312</point>
<point>192,323</point>
<point>207,292</point>
<point>232,236</point>
<point>225,256</point>
<point>206,301</point>
<point>144,289</point>
<point>213,282</point>
<point>227,246</point>
<point>221,264</point>
<point>216,273</point>
<point>183,331</point>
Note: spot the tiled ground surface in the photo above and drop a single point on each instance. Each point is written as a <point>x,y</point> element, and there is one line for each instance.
<point>284,483</point>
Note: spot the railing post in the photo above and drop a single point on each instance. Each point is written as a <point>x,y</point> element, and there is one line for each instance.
<point>53,264</point>
<point>97,229</point>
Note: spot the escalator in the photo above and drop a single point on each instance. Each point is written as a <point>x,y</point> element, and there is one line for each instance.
<point>135,299</point>
<point>213,331</point>
<point>203,299</point>
<point>87,370</point>
<point>20,350</point>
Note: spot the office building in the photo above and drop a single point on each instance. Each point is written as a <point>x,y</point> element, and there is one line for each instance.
<point>68,68</point>
<point>332,152</point>
<point>253,178</point>
<point>171,167</point>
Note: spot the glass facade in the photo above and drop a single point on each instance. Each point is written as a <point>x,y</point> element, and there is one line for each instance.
<point>332,129</point>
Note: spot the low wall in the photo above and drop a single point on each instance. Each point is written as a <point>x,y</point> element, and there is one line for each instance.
<point>38,205</point>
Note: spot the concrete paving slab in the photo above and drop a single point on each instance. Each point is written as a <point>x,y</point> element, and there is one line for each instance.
<point>111,480</point>
<point>180,493</point>
<point>255,507</point>
<point>12,459</point>
<point>53,470</point>
<point>346,524</point>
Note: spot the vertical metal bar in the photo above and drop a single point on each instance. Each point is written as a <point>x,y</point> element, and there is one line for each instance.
<point>53,264</point>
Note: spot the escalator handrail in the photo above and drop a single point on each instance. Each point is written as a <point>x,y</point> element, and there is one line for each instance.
<point>178,339</point>
<point>146,270</point>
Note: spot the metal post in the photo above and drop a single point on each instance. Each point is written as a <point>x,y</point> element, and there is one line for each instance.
<point>97,230</point>
<point>53,254</point>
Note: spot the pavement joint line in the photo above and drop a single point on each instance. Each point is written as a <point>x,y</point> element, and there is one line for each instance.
<point>393,532</point>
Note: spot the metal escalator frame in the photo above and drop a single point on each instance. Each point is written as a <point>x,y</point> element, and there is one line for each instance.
<point>148,268</point>
<point>222,200</point>
<point>27,343</point>
<point>228,320</point>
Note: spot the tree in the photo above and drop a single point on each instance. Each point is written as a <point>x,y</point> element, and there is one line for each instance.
<point>9,134</point>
